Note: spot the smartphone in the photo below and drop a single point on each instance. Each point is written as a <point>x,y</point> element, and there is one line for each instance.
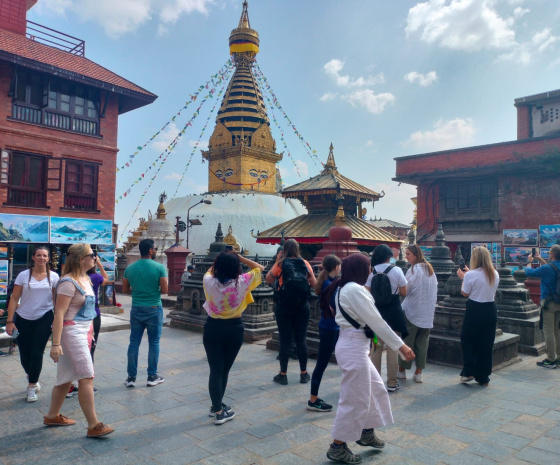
<point>15,333</point>
<point>533,251</point>
<point>462,264</point>
<point>229,248</point>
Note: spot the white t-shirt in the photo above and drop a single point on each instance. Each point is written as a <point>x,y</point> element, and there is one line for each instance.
<point>37,298</point>
<point>419,304</point>
<point>477,286</point>
<point>396,277</point>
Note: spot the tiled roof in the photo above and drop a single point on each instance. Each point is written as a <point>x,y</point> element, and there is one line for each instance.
<point>15,47</point>
<point>330,180</point>
<point>388,224</point>
<point>314,228</point>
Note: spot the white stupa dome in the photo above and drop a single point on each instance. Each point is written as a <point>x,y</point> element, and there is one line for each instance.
<point>244,211</point>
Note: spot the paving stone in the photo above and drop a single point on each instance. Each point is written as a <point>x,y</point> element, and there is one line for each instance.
<point>269,446</point>
<point>492,451</point>
<point>183,455</point>
<point>507,440</point>
<point>263,430</point>
<point>548,444</point>
<point>465,458</point>
<point>226,442</point>
<point>537,456</point>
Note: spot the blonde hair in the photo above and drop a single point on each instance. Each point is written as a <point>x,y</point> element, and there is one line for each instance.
<point>420,259</point>
<point>480,258</point>
<point>73,266</point>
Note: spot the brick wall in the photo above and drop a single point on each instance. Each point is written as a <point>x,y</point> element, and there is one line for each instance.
<point>524,123</point>
<point>13,15</point>
<point>474,157</point>
<point>60,144</point>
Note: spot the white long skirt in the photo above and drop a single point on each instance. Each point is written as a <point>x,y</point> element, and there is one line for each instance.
<point>364,402</point>
<point>76,362</point>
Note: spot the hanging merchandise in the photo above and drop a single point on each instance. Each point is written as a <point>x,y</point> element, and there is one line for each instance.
<point>263,81</point>
<point>216,80</point>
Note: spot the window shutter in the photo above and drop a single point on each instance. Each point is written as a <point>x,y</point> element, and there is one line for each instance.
<point>5,164</point>
<point>46,89</point>
<point>54,173</point>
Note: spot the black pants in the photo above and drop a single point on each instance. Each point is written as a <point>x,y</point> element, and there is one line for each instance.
<point>292,320</point>
<point>32,339</point>
<point>327,342</point>
<point>222,340</point>
<point>96,328</point>
<point>477,339</point>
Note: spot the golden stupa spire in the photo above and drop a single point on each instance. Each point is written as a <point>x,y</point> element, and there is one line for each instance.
<point>330,165</point>
<point>244,41</point>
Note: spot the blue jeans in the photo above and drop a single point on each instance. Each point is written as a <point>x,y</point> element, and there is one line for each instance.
<point>151,319</point>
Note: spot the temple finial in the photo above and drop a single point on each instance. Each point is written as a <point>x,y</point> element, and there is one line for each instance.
<point>330,159</point>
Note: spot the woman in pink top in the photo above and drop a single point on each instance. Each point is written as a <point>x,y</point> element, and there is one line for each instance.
<point>72,334</point>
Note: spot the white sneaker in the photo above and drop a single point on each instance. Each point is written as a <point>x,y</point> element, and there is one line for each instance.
<point>37,387</point>
<point>417,377</point>
<point>401,374</point>
<point>466,379</point>
<point>32,395</point>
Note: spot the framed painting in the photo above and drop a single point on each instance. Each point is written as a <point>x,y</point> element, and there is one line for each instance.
<point>80,230</point>
<point>549,235</point>
<point>521,237</point>
<point>24,228</point>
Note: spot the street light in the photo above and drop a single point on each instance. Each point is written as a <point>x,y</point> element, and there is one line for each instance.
<point>194,222</point>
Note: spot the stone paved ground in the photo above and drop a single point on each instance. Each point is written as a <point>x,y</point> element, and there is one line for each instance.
<point>514,421</point>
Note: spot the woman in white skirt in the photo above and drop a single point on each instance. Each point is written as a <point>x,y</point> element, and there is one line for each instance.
<point>72,336</point>
<point>364,402</point>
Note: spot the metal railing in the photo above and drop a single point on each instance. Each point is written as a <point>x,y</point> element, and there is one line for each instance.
<point>79,202</point>
<point>26,198</point>
<point>47,36</point>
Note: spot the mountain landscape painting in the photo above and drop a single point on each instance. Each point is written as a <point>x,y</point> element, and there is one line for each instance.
<point>76,230</point>
<point>24,228</point>
<point>549,235</point>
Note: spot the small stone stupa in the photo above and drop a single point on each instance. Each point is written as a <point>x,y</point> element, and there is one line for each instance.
<point>445,337</point>
<point>441,262</point>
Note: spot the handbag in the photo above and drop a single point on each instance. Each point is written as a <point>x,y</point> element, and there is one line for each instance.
<point>367,330</point>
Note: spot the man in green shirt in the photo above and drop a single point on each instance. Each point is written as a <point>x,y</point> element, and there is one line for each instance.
<point>146,280</point>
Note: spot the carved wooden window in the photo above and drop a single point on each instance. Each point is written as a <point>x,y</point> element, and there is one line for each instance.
<point>26,180</point>
<point>81,185</point>
<point>469,198</point>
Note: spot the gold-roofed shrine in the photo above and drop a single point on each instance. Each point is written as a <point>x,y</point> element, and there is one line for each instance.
<point>331,200</point>
<point>241,151</point>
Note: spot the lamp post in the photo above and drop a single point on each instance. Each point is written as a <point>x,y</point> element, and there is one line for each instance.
<point>194,222</point>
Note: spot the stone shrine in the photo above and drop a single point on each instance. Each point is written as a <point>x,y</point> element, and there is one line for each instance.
<point>518,314</point>
<point>445,337</point>
<point>189,312</point>
<point>441,262</point>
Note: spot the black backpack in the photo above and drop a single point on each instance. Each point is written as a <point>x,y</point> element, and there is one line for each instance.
<point>295,289</point>
<point>381,287</point>
<point>556,294</point>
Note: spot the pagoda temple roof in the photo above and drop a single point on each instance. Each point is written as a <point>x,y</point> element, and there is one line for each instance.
<point>388,224</point>
<point>313,228</point>
<point>330,181</point>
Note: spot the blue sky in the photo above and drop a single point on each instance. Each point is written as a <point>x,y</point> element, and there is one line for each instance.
<point>377,79</point>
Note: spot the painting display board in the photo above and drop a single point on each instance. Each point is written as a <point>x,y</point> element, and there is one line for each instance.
<point>3,282</point>
<point>549,235</point>
<point>427,251</point>
<point>76,230</point>
<point>521,237</point>
<point>24,228</point>
<point>543,251</point>
<point>106,254</point>
<point>495,249</point>
<point>517,254</point>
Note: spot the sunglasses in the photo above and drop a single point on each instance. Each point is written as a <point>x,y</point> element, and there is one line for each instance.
<point>91,255</point>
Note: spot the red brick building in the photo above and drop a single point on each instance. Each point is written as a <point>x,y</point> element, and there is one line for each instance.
<point>58,122</point>
<point>477,192</point>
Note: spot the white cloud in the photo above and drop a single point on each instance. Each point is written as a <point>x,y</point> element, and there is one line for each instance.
<point>450,134</point>
<point>395,205</point>
<point>173,176</point>
<point>125,16</point>
<point>328,96</point>
<point>368,99</point>
<point>303,168</point>
<point>166,137</point>
<point>335,66</point>
<point>423,79</point>
<point>524,53</point>
<point>461,24</point>
<point>519,12</point>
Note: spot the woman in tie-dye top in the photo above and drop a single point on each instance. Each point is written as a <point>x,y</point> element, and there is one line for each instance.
<point>228,292</point>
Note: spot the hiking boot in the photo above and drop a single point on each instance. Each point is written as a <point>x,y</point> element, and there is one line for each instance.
<point>73,390</point>
<point>369,438</point>
<point>281,379</point>
<point>546,363</point>
<point>342,454</point>
<point>304,378</point>
<point>130,381</point>
<point>221,418</point>
<point>32,394</point>
<point>59,420</point>
<point>319,406</point>
<point>99,430</point>
<point>225,407</point>
<point>155,380</point>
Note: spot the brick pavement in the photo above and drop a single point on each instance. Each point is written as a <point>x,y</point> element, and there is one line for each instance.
<point>515,421</point>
